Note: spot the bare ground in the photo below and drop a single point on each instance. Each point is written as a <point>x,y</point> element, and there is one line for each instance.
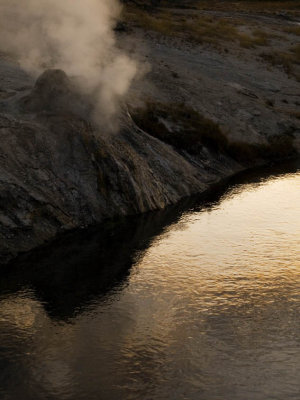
<point>250,88</point>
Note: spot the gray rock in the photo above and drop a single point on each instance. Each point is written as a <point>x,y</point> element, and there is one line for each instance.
<point>242,90</point>
<point>55,92</point>
<point>59,171</point>
<point>286,127</point>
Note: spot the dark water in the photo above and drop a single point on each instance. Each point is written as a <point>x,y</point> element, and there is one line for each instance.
<point>190,303</point>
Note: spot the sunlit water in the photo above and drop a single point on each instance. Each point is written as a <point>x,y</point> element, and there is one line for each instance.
<point>205,305</point>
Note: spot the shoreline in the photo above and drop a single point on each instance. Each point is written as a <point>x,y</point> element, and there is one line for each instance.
<point>59,172</point>
<point>211,194</point>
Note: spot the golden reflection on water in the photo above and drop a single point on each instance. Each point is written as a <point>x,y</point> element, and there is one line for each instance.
<point>222,288</point>
<point>209,311</point>
<point>241,253</point>
<point>243,236</point>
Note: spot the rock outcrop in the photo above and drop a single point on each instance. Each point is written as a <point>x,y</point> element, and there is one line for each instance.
<point>59,171</point>
<point>55,92</point>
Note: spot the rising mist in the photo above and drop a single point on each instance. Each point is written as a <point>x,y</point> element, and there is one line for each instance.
<point>75,36</point>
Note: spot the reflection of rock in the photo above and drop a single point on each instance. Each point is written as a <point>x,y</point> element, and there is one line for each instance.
<point>78,267</point>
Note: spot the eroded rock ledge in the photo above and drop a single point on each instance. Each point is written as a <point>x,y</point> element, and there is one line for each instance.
<point>58,171</point>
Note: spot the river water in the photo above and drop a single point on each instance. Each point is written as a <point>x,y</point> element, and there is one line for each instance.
<point>200,301</point>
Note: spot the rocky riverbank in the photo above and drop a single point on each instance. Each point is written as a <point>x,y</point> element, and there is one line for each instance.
<point>60,171</point>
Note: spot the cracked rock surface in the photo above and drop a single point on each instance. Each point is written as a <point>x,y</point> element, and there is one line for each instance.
<point>59,171</point>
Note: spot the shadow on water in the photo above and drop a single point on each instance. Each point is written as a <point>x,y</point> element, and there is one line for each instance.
<point>79,267</point>
<point>70,272</point>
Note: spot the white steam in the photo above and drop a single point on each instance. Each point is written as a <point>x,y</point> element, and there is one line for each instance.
<point>73,35</point>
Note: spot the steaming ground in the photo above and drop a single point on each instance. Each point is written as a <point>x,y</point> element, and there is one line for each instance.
<point>58,171</point>
<point>75,36</point>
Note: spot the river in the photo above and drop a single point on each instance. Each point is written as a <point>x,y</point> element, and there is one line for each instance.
<point>200,301</point>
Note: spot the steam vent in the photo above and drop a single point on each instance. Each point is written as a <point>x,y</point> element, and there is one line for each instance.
<point>149,199</point>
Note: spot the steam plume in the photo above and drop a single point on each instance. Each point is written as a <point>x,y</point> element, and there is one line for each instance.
<point>73,35</point>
